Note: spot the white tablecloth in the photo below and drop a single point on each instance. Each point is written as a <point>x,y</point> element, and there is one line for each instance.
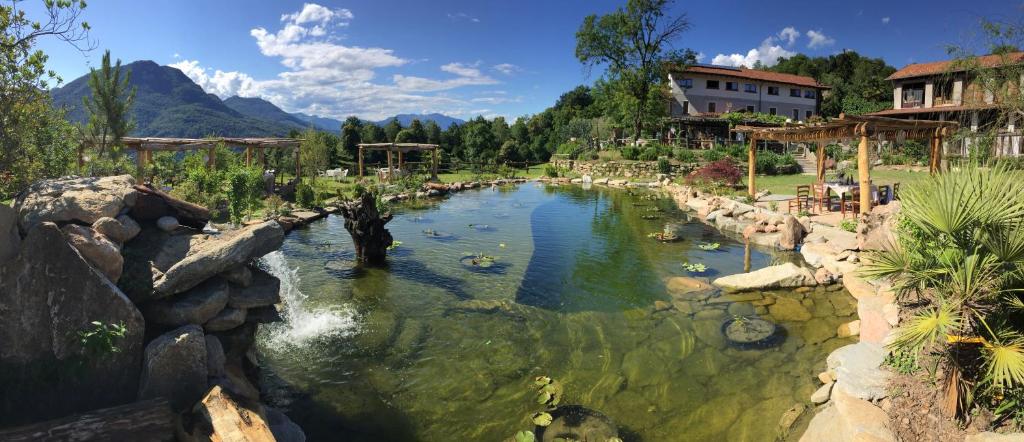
<point>843,189</point>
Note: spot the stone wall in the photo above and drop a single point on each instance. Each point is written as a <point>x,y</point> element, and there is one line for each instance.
<point>627,169</point>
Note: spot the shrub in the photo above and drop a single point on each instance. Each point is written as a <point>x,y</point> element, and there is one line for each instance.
<point>849,225</point>
<point>786,165</point>
<point>273,203</point>
<point>550,171</point>
<point>684,155</point>
<point>914,151</point>
<point>649,154</point>
<point>630,153</point>
<point>664,166</point>
<point>724,172</point>
<point>245,187</point>
<point>737,151</point>
<point>765,163</point>
<point>712,155</point>
<point>304,195</point>
<point>506,172</point>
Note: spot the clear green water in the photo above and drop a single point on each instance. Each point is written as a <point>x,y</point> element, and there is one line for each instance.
<point>426,349</point>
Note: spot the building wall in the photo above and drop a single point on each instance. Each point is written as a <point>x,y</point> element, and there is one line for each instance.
<point>699,96</point>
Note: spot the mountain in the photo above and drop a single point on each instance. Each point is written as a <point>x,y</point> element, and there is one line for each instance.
<point>405,119</point>
<point>322,123</point>
<point>261,109</point>
<point>169,104</point>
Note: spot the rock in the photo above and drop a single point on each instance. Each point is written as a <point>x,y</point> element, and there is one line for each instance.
<point>822,394</point>
<point>131,228</point>
<point>781,276</point>
<point>771,228</point>
<point>989,436</point>
<point>227,319</point>
<point>282,427</point>
<point>660,305</point>
<point>749,230</point>
<point>683,285</point>
<point>214,357</point>
<point>805,222</point>
<point>213,257</point>
<point>110,228</point>
<point>196,306</point>
<point>824,277</point>
<point>100,251</point>
<point>789,417</point>
<point>874,313</point>
<point>792,233</point>
<point>239,275</point>
<point>263,315</point>
<point>877,230</point>
<point>175,367</point>
<point>265,290</point>
<point>222,418</point>
<point>69,199</point>
<point>827,377</point>
<point>848,329</point>
<point>858,287</point>
<point>167,223</point>
<point>848,419</point>
<point>10,240</point>
<point>857,371</point>
<point>788,309</point>
<point>48,295</point>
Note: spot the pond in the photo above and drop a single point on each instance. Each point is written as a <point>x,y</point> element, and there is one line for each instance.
<point>437,348</point>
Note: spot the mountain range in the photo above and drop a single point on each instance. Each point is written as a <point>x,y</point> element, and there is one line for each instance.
<point>169,104</point>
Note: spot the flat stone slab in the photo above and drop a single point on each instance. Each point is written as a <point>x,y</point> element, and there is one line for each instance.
<point>196,306</point>
<point>781,276</point>
<point>858,370</point>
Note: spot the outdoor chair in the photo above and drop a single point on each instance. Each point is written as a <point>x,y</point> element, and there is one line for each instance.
<point>823,197</point>
<point>852,204</point>
<point>884,195</point>
<point>895,192</point>
<point>802,200</point>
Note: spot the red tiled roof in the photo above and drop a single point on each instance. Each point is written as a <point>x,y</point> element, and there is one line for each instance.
<point>941,67</point>
<point>755,74</point>
<point>929,110</point>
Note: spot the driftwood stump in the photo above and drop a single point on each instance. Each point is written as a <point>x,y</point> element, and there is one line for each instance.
<point>366,226</point>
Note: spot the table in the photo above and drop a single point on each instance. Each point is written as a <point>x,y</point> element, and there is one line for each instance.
<point>843,189</point>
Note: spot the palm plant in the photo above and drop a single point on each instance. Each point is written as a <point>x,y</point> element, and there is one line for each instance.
<point>960,253</point>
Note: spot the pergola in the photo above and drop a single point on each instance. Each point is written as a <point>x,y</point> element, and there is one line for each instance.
<point>849,128</point>
<point>401,149</point>
<point>144,148</point>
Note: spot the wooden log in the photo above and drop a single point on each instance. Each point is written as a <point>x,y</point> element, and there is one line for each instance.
<point>149,420</point>
<point>152,203</point>
<point>864,175</point>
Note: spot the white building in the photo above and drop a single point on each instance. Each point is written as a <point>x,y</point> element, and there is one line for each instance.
<point>708,91</point>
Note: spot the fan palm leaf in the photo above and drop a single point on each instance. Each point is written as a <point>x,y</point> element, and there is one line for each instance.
<point>1005,360</point>
<point>927,327</point>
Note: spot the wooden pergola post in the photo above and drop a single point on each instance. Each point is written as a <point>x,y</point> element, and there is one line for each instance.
<point>935,159</point>
<point>862,171</point>
<point>248,156</point>
<point>360,161</point>
<point>821,161</point>
<point>298,163</point>
<point>401,160</point>
<point>263,158</point>
<point>211,158</point>
<point>751,163</point>
<point>433,157</point>
<point>390,171</point>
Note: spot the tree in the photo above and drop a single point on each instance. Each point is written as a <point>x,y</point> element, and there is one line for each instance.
<point>500,130</point>
<point>419,134</point>
<point>372,133</point>
<point>351,136</point>
<point>478,140</point>
<point>25,109</point>
<point>108,105</point>
<point>391,130</point>
<point>314,152</point>
<point>635,45</point>
<point>858,84</point>
<point>433,133</point>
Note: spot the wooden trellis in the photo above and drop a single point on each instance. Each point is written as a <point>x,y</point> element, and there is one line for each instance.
<point>849,128</point>
<point>144,148</point>
<point>401,149</point>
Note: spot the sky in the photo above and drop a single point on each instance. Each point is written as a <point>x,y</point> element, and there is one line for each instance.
<point>377,58</point>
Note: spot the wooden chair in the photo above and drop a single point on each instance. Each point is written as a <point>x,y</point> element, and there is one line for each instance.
<point>884,195</point>
<point>852,204</point>
<point>823,197</point>
<point>895,192</point>
<point>802,200</point>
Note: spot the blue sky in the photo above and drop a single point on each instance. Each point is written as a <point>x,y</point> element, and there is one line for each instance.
<point>376,58</point>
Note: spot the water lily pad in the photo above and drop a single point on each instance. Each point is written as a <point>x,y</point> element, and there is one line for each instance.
<point>541,381</point>
<point>525,436</point>
<point>542,419</point>
<point>710,246</point>
<point>544,397</point>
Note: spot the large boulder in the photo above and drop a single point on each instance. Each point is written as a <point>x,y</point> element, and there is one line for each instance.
<point>131,228</point>
<point>196,306</point>
<point>848,419</point>
<point>113,229</point>
<point>792,233</point>
<point>227,319</point>
<point>877,230</point>
<point>781,276</point>
<point>69,199</point>
<point>100,251</point>
<point>264,290</point>
<point>49,296</point>
<point>223,418</point>
<point>212,257</point>
<point>283,428</point>
<point>175,367</point>
<point>10,240</point>
<point>857,370</point>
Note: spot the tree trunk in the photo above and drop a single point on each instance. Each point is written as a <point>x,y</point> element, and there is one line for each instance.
<point>366,226</point>
<point>150,420</point>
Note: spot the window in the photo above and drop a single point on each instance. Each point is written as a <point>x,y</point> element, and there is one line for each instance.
<point>809,114</point>
<point>711,107</point>
<point>750,108</point>
<point>712,84</point>
<point>773,111</point>
<point>732,86</point>
<point>752,88</point>
<point>809,93</point>
<point>913,95</point>
<point>686,108</point>
<point>796,114</point>
<point>773,90</point>
<point>794,92</point>
<point>686,83</point>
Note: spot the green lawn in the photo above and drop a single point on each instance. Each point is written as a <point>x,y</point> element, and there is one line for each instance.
<point>786,184</point>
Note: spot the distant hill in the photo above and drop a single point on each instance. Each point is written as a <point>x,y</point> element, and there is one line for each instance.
<point>322,123</point>
<point>405,119</point>
<point>264,110</point>
<point>169,104</point>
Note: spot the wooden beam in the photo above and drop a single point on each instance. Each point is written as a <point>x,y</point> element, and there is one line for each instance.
<point>298,164</point>
<point>401,160</point>
<point>211,158</point>
<point>360,161</point>
<point>149,420</point>
<point>390,166</point>
<point>821,161</point>
<point>864,174</point>
<point>751,163</point>
<point>938,153</point>
<point>248,156</point>
<point>433,155</point>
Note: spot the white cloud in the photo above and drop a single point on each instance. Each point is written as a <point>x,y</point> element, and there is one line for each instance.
<point>818,40</point>
<point>507,68</point>
<point>768,53</point>
<point>700,57</point>
<point>789,35</point>
<point>176,55</point>
<point>323,77</point>
<point>462,16</point>
<point>886,20</point>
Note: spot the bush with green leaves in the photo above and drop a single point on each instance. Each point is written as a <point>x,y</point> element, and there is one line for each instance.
<point>684,155</point>
<point>649,154</point>
<point>200,185</point>
<point>245,188</point>
<point>630,153</point>
<point>550,171</point>
<point>101,338</point>
<point>304,195</point>
<point>507,172</point>
<point>959,259</point>
<point>664,166</point>
<point>712,155</point>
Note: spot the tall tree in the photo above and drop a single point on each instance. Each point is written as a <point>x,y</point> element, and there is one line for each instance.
<point>500,129</point>
<point>314,152</point>
<point>392,129</point>
<point>433,132</point>
<point>418,132</point>
<point>108,105</point>
<point>351,136</point>
<point>635,44</point>
<point>858,83</point>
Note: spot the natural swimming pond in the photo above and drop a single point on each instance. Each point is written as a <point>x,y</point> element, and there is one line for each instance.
<point>435,348</point>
